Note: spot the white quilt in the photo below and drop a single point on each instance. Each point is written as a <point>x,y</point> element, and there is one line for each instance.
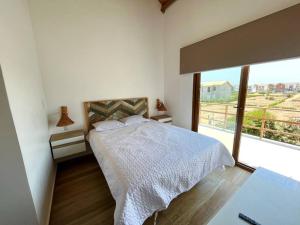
<point>147,165</point>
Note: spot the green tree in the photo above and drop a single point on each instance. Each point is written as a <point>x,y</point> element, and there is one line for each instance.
<point>254,119</point>
<point>290,128</point>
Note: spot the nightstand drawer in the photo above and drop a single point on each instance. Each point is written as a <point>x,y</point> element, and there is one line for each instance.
<point>67,140</point>
<point>68,149</point>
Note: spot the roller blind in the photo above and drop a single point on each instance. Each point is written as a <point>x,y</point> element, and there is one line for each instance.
<point>273,37</point>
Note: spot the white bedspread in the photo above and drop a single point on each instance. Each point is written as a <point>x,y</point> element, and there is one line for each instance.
<point>147,165</point>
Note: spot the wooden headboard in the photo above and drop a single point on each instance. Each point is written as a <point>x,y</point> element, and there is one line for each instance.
<point>115,109</point>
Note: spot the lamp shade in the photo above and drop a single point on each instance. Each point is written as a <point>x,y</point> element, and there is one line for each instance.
<point>160,106</point>
<point>64,118</point>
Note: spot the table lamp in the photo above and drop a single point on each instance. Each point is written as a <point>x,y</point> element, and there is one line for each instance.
<point>64,120</point>
<point>160,106</point>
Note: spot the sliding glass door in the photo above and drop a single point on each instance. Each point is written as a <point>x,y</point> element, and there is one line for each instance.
<point>255,112</point>
<point>271,126</point>
<point>219,93</point>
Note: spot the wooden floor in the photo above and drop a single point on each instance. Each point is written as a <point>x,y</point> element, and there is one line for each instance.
<point>82,197</point>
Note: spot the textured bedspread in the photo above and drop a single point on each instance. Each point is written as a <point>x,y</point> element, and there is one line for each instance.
<point>147,165</point>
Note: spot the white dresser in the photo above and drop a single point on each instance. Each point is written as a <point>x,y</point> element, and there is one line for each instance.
<point>266,197</point>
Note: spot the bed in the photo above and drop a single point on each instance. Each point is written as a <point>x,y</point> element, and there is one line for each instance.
<point>148,164</point>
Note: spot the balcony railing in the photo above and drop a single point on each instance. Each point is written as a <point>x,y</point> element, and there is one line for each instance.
<point>221,119</point>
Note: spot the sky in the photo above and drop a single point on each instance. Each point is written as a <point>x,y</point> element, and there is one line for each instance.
<point>284,71</point>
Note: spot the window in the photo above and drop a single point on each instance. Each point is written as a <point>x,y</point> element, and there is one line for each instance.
<point>271,118</point>
<point>255,115</point>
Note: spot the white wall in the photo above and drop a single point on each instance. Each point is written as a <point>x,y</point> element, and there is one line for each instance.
<point>16,204</point>
<point>98,49</point>
<point>189,21</point>
<point>23,82</point>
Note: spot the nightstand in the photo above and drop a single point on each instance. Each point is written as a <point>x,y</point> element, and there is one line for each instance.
<point>163,119</point>
<point>68,145</point>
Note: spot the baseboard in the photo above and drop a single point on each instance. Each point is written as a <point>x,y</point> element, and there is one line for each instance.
<point>47,221</point>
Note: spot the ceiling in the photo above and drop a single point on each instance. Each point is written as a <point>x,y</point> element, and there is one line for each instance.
<point>165,4</point>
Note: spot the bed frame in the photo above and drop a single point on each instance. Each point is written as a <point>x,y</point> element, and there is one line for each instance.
<point>115,109</point>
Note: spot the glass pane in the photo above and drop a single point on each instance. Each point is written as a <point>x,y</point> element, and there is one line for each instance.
<point>218,100</point>
<point>271,127</point>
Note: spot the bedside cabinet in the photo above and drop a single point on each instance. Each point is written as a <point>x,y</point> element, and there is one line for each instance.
<point>68,145</point>
<point>163,119</point>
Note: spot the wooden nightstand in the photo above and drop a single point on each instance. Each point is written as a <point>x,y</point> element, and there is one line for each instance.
<point>163,118</point>
<point>68,145</point>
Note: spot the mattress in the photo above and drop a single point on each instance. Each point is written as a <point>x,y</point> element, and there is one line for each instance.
<point>147,165</point>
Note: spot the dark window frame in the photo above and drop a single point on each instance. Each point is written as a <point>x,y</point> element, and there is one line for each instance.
<point>240,111</point>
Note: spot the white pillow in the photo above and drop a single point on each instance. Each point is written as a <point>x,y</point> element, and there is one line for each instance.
<point>133,119</point>
<point>108,125</point>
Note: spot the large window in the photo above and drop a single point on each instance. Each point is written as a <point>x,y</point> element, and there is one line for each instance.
<point>271,126</point>
<point>260,122</point>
